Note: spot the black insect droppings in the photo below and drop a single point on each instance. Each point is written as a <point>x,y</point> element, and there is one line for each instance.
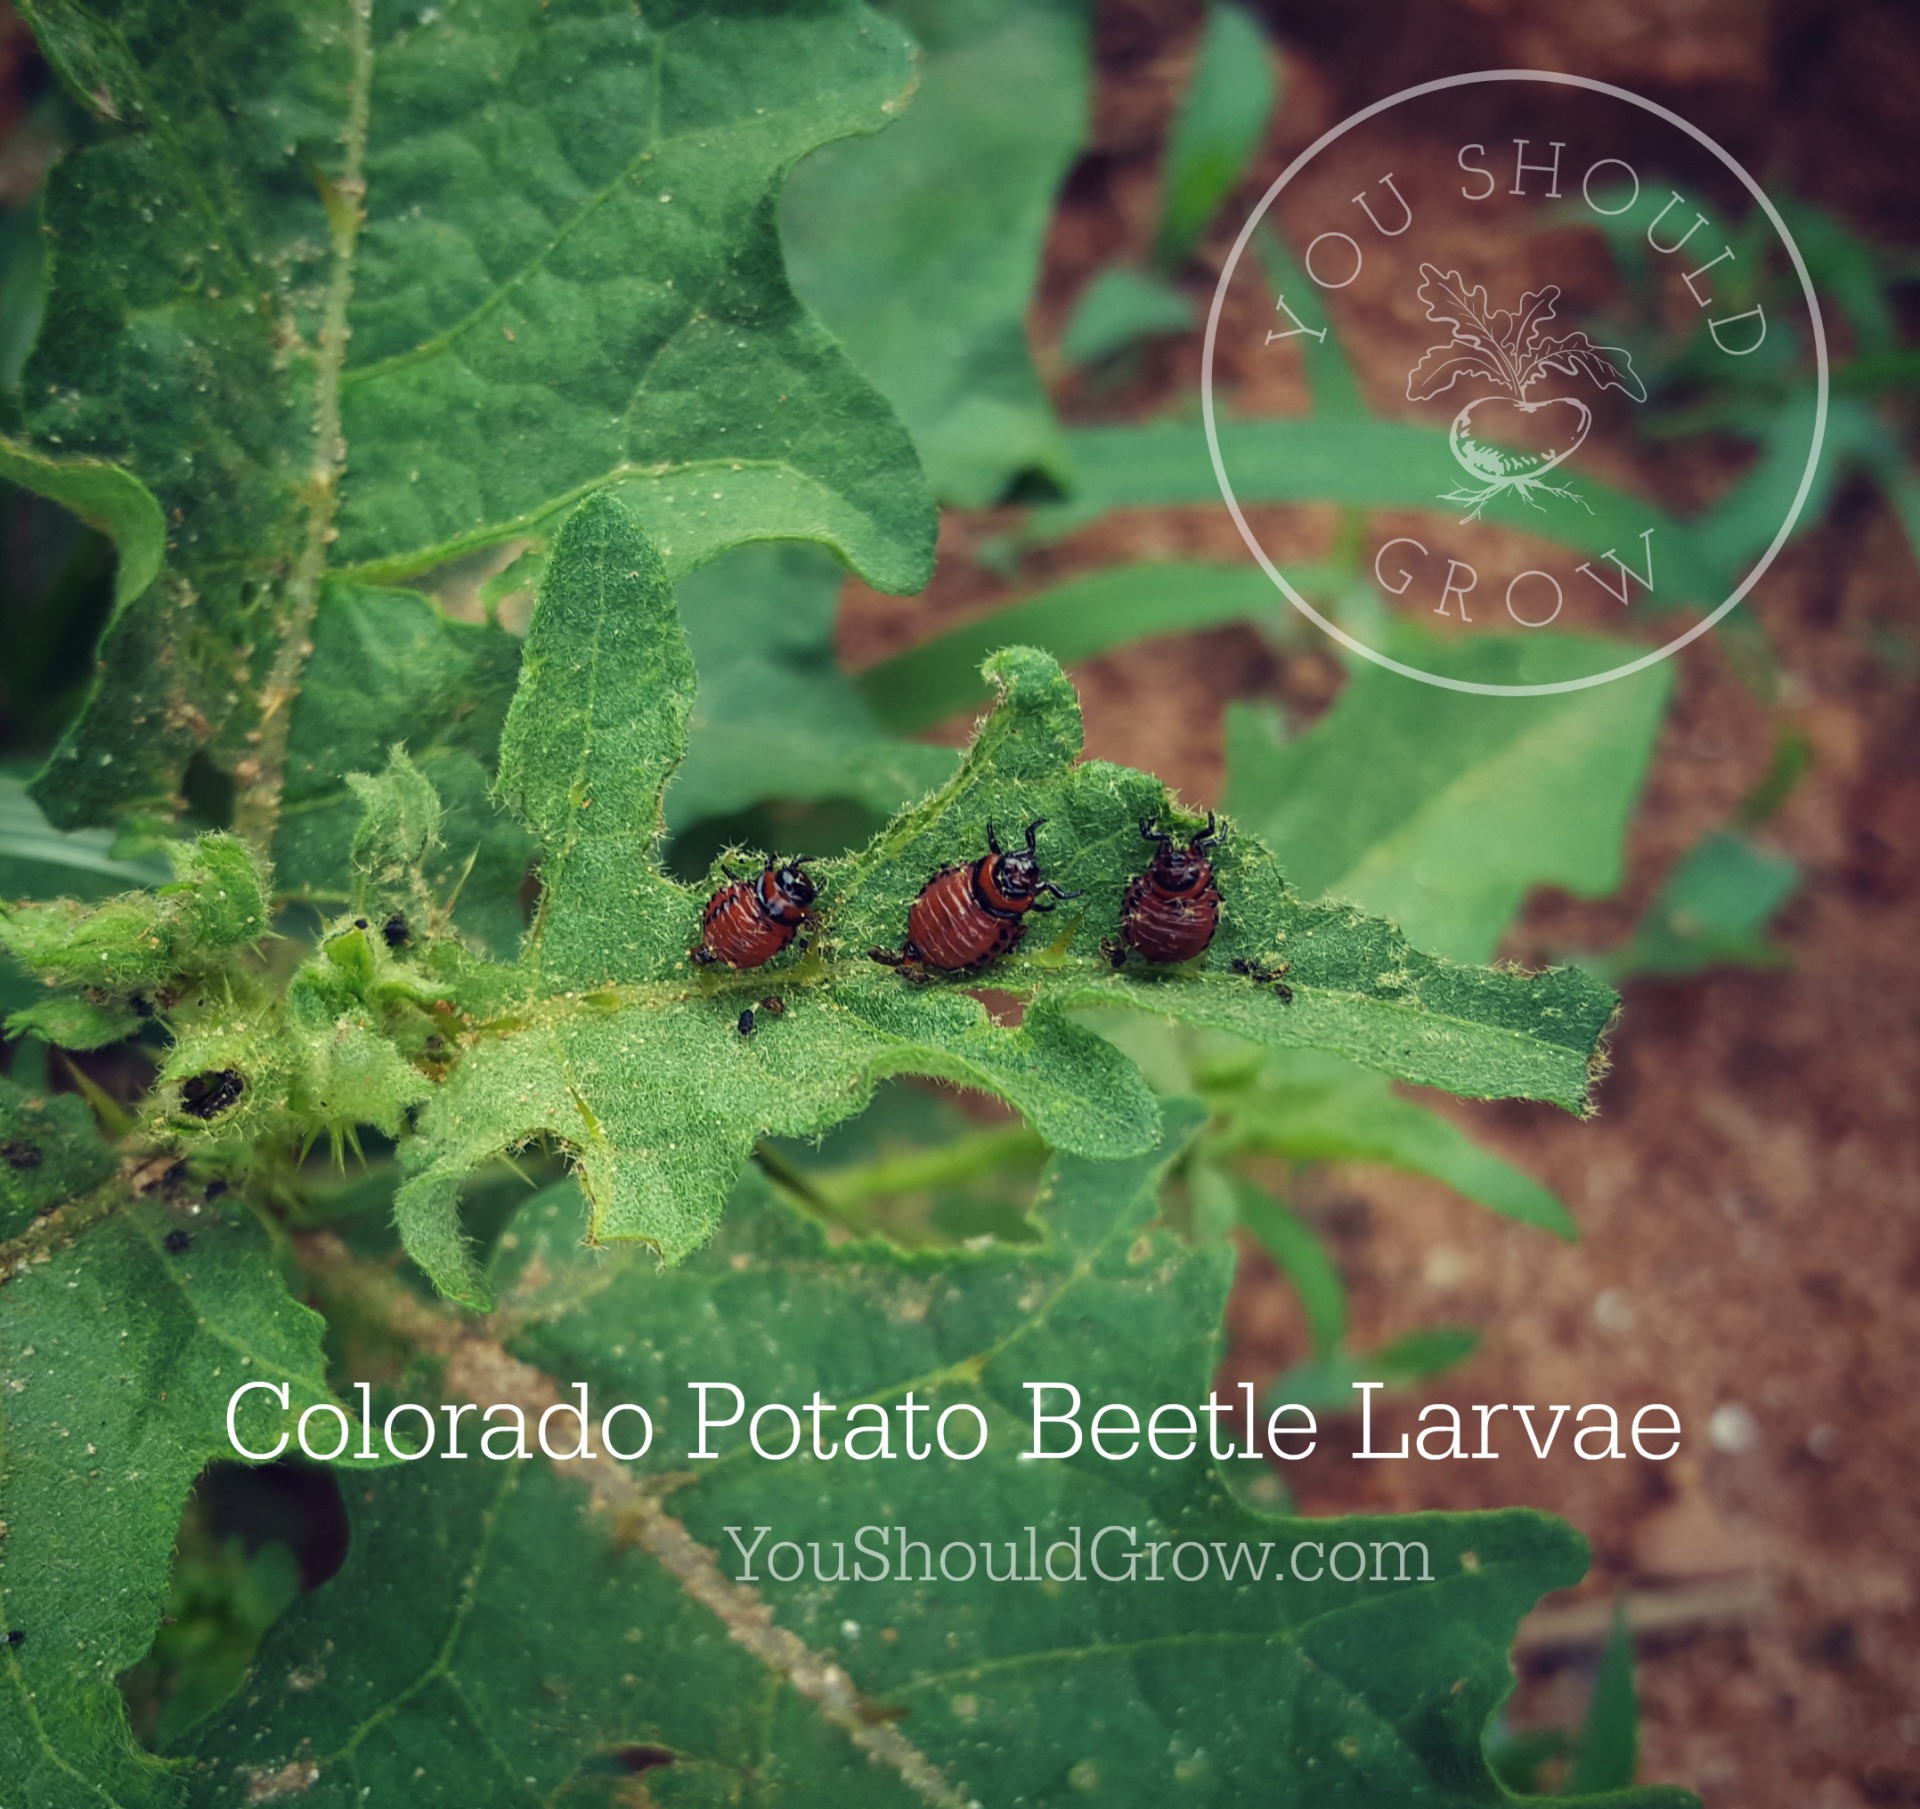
<point>207,1095</point>
<point>16,1152</point>
<point>397,931</point>
<point>178,1243</point>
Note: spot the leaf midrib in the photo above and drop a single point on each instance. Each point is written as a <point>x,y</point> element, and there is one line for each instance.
<point>257,809</point>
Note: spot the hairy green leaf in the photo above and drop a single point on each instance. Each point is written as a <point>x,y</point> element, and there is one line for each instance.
<point>217,903</point>
<point>120,1355</point>
<point>50,1152</point>
<point>1441,809</point>
<point>386,667</point>
<point>605,1040</point>
<point>469,1584</point>
<point>921,249</point>
<point>353,292</point>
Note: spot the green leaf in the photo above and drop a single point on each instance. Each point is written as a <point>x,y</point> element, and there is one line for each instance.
<point>1326,1380</point>
<point>1291,1242</point>
<point>1309,1107</point>
<point>1442,809</point>
<point>104,497</point>
<point>354,293</point>
<point>388,667</point>
<point>1120,309</point>
<point>1218,130</point>
<point>605,1040</point>
<point>115,1375</point>
<point>38,861</point>
<point>616,1592</point>
<point>921,249</point>
<point>776,716</point>
<point>1609,1743</point>
<point>1713,911</point>
<point>1072,621</point>
<point>217,903</point>
<point>1353,459</point>
<point>50,1152</point>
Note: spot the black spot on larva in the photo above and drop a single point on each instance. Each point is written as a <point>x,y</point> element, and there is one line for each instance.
<point>207,1095</point>
<point>16,1152</point>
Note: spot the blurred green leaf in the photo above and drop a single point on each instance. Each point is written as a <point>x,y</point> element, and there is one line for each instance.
<point>1331,381</point>
<point>776,717</point>
<point>1218,130</point>
<point>1306,1106</point>
<point>1303,1259</point>
<point>1072,621</point>
<point>39,861</point>
<point>1713,911</point>
<point>1443,809</point>
<point>921,249</point>
<point>1119,309</point>
<point>1362,461</point>
<point>1609,1744</point>
<point>1326,1383</point>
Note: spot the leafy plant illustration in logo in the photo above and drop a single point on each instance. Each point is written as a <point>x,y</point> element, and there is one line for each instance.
<point>1514,351</point>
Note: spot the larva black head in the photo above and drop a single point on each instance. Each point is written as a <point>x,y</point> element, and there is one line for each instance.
<point>1177,869</point>
<point>1013,878</point>
<point>795,884</point>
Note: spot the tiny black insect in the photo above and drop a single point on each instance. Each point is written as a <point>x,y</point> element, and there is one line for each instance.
<point>16,1152</point>
<point>207,1095</point>
<point>397,930</point>
<point>178,1243</point>
<point>359,923</point>
<point>1264,976</point>
<point>745,1023</point>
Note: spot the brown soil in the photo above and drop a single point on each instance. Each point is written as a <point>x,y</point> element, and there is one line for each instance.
<point>1750,1251</point>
